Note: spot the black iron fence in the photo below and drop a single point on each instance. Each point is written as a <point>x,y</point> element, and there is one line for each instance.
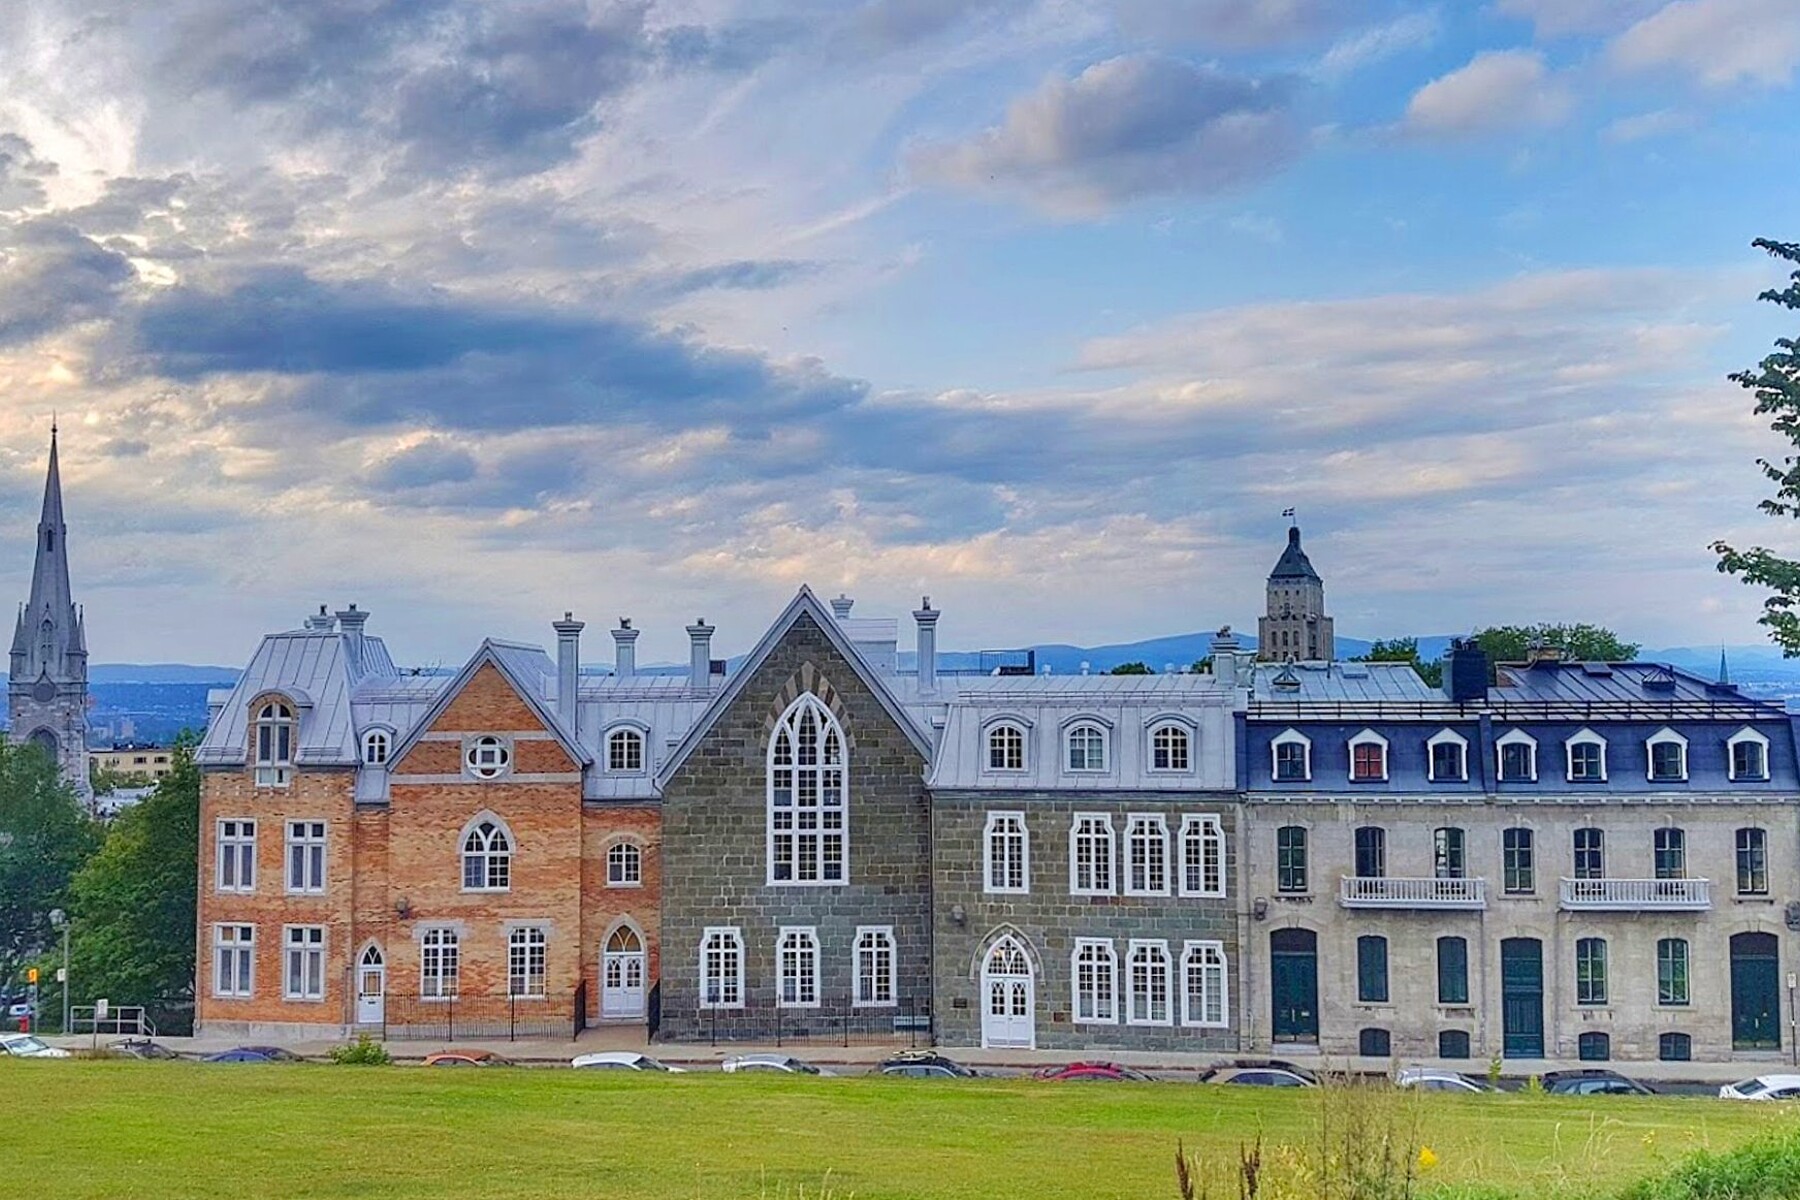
<point>482,1017</point>
<point>836,1021</point>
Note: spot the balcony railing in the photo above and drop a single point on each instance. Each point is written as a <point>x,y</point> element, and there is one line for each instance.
<point>1635,895</point>
<point>1358,892</point>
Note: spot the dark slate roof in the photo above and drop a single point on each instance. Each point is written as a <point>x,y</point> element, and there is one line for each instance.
<point>1618,683</point>
<point>1293,563</point>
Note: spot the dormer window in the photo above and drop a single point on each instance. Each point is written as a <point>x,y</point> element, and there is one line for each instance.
<point>487,757</point>
<point>1368,757</point>
<point>1749,755</point>
<point>1668,757</point>
<point>1449,757</point>
<point>1086,748</point>
<point>377,745</point>
<point>1170,748</point>
<point>1517,754</point>
<point>625,751</point>
<point>1586,757</point>
<point>274,744</point>
<point>1006,748</point>
<point>1291,757</point>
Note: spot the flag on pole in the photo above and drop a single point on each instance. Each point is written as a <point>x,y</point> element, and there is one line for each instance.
<point>1287,512</point>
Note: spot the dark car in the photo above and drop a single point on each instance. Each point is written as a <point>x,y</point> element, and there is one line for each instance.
<point>1260,1072</point>
<point>1593,1081</point>
<point>254,1054</point>
<point>140,1048</point>
<point>924,1064</point>
<point>1099,1072</point>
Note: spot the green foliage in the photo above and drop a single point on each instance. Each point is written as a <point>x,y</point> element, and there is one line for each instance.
<point>1765,1169</point>
<point>1775,382</point>
<point>45,837</point>
<point>1132,668</point>
<point>134,902</point>
<point>1203,666</point>
<point>1404,650</point>
<point>1581,642</point>
<point>1493,1071</point>
<point>1533,1087</point>
<point>365,1051</point>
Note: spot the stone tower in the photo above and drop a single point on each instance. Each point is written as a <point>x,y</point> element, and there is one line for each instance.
<point>1295,627</point>
<point>47,692</point>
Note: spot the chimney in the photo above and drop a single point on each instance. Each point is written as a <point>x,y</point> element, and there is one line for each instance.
<point>927,618</point>
<point>1465,671</point>
<point>840,608</point>
<point>323,623</point>
<point>568,671</point>
<point>624,649</point>
<point>700,655</point>
<point>1225,657</point>
<point>351,620</point>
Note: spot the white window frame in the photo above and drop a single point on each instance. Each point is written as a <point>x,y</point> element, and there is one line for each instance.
<point>1198,831</point>
<point>1095,1005</point>
<point>1368,737</point>
<point>1189,742</point>
<point>241,946</point>
<point>1152,949</point>
<point>1514,737</point>
<point>377,747</point>
<point>728,942</point>
<point>791,825</point>
<point>487,853</point>
<point>273,755</point>
<point>527,962</point>
<point>1446,737</point>
<point>628,857</point>
<point>1086,725</point>
<point>487,757</point>
<point>1103,822</point>
<point>797,945</point>
<point>992,838</point>
<point>1152,830</point>
<point>875,947</point>
<point>1662,737</point>
<point>994,729</point>
<point>1193,1005</point>
<point>238,846</point>
<point>303,945</point>
<point>306,845</point>
<point>1290,737</point>
<point>625,738</point>
<point>440,963</point>
<point>1583,737</point>
<point>1746,734</point>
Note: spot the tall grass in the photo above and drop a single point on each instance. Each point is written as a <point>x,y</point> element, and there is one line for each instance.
<point>1767,1168</point>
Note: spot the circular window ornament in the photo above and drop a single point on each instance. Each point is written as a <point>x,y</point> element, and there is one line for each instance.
<point>43,691</point>
<point>487,757</point>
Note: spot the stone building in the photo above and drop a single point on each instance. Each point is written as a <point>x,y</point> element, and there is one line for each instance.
<point>1294,626</point>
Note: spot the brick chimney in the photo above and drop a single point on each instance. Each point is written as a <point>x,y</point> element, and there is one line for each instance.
<point>1465,671</point>
<point>624,649</point>
<point>568,671</point>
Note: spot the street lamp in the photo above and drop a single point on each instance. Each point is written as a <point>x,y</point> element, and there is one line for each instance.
<point>59,920</point>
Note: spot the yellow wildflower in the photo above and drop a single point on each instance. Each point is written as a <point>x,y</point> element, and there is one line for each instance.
<point>1427,1159</point>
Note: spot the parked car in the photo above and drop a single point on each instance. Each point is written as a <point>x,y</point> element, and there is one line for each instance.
<point>1763,1087</point>
<point>26,1045</point>
<point>924,1064</point>
<point>1082,1072</point>
<point>769,1064</point>
<point>18,1008</point>
<point>254,1054</point>
<point>1593,1081</point>
<point>1272,1072</point>
<point>467,1058</point>
<point>140,1048</point>
<point>622,1060</point>
<point>1433,1079</point>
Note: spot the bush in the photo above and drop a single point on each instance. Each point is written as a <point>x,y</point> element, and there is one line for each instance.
<point>365,1051</point>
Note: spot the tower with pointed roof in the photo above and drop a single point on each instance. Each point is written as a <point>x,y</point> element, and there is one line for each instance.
<point>1295,626</point>
<point>47,687</point>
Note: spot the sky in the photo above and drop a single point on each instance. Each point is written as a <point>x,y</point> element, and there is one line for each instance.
<point>475,312</point>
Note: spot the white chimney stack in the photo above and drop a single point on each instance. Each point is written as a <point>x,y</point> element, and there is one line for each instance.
<point>351,620</point>
<point>927,618</point>
<point>700,655</point>
<point>624,649</point>
<point>840,608</point>
<point>568,671</point>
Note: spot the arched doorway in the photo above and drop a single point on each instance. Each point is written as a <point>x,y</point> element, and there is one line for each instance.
<point>44,740</point>
<point>1008,997</point>
<point>371,987</point>
<point>1755,992</point>
<point>1294,984</point>
<point>622,970</point>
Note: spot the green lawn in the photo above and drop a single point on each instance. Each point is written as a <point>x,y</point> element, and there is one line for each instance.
<point>176,1130</point>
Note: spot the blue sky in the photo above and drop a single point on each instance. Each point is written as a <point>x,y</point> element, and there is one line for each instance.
<point>473,313</point>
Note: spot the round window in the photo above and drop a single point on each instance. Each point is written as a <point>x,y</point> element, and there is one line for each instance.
<point>487,757</point>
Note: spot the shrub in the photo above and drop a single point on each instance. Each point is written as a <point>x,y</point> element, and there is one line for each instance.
<point>365,1051</point>
<point>1493,1072</point>
<point>1767,1168</point>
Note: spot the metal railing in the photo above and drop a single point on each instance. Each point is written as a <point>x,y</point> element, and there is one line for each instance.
<point>1736,708</point>
<point>480,1017</point>
<point>1355,891</point>
<point>121,1020</point>
<point>836,1021</point>
<point>1631,895</point>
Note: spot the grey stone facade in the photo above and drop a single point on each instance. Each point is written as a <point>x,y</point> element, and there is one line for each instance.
<point>968,920</point>
<point>715,848</point>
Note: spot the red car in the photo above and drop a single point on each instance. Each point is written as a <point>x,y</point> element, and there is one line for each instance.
<point>1100,1071</point>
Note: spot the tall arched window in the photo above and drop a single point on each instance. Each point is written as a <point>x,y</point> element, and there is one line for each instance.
<point>274,744</point>
<point>808,828</point>
<point>487,858</point>
<point>624,865</point>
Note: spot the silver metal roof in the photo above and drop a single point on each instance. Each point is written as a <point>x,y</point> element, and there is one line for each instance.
<point>312,668</point>
<point>1339,681</point>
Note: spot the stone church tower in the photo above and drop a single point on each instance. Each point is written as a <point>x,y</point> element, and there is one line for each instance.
<point>1296,627</point>
<point>47,692</point>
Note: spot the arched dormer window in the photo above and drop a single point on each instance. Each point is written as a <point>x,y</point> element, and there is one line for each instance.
<point>1515,755</point>
<point>1290,757</point>
<point>1368,757</point>
<point>1171,746</point>
<point>625,751</point>
<point>1586,757</point>
<point>807,801</point>
<point>1006,747</point>
<point>274,741</point>
<point>1749,755</point>
<point>1084,747</point>
<point>1448,757</point>
<point>1666,752</point>
<point>377,744</point>
<point>487,856</point>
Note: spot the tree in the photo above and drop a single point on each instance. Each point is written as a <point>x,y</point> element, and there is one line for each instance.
<point>1776,384</point>
<point>45,837</point>
<point>134,902</point>
<point>1404,650</point>
<point>1132,668</point>
<point>1581,642</point>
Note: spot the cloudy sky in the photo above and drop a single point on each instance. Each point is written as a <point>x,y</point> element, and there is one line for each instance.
<point>474,311</point>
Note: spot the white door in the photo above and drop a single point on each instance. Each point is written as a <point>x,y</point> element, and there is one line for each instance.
<point>622,976</point>
<point>1008,999</point>
<point>371,988</point>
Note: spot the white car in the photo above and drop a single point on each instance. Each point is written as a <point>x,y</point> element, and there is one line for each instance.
<point>769,1064</point>
<point>1433,1079</point>
<point>1763,1087</point>
<point>622,1060</point>
<point>25,1045</point>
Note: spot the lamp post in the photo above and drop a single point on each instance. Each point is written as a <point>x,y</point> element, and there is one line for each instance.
<point>60,920</point>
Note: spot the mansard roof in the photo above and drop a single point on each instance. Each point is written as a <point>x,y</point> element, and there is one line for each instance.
<point>312,663</point>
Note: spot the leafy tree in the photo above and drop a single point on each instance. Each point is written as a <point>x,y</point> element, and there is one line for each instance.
<point>45,837</point>
<point>1132,668</point>
<point>134,902</point>
<point>1581,642</point>
<point>1404,650</point>
<point>1775,381</point>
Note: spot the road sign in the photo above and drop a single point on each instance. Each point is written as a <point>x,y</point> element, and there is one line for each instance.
<point>62,975</point>
<point>99,1010</point>
<point>31,976</point>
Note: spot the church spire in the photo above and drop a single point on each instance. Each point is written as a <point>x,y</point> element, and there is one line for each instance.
<point>51,595</point>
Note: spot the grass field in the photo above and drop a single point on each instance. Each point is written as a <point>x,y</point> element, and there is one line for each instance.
<point>161,1130</point>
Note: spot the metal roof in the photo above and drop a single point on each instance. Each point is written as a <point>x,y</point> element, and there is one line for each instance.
<point>1311,682</point>
<point>312,668</point>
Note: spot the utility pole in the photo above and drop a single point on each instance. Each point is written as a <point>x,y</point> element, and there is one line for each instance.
<point>60,920</point>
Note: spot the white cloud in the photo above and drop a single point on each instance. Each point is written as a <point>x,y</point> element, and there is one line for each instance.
<point>1498,90</point>
<point>1410,31</point>
<point>1233,24</point>
<point>1719,42</point>
<point>1661,123</point>
<point>1560,18</point>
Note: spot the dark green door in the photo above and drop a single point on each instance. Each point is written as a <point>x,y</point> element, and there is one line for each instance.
<point>1294,959</point>
<point>1755,992</point>
<point>1522,997</point>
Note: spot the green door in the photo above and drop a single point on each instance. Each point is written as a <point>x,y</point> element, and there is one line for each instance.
<point>1755,992</point>
<point>1522,997</point>
<point>1294,986</point>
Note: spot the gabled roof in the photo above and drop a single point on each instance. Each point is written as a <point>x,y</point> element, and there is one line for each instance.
<point>804,603</point>
<point>525,669</point>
